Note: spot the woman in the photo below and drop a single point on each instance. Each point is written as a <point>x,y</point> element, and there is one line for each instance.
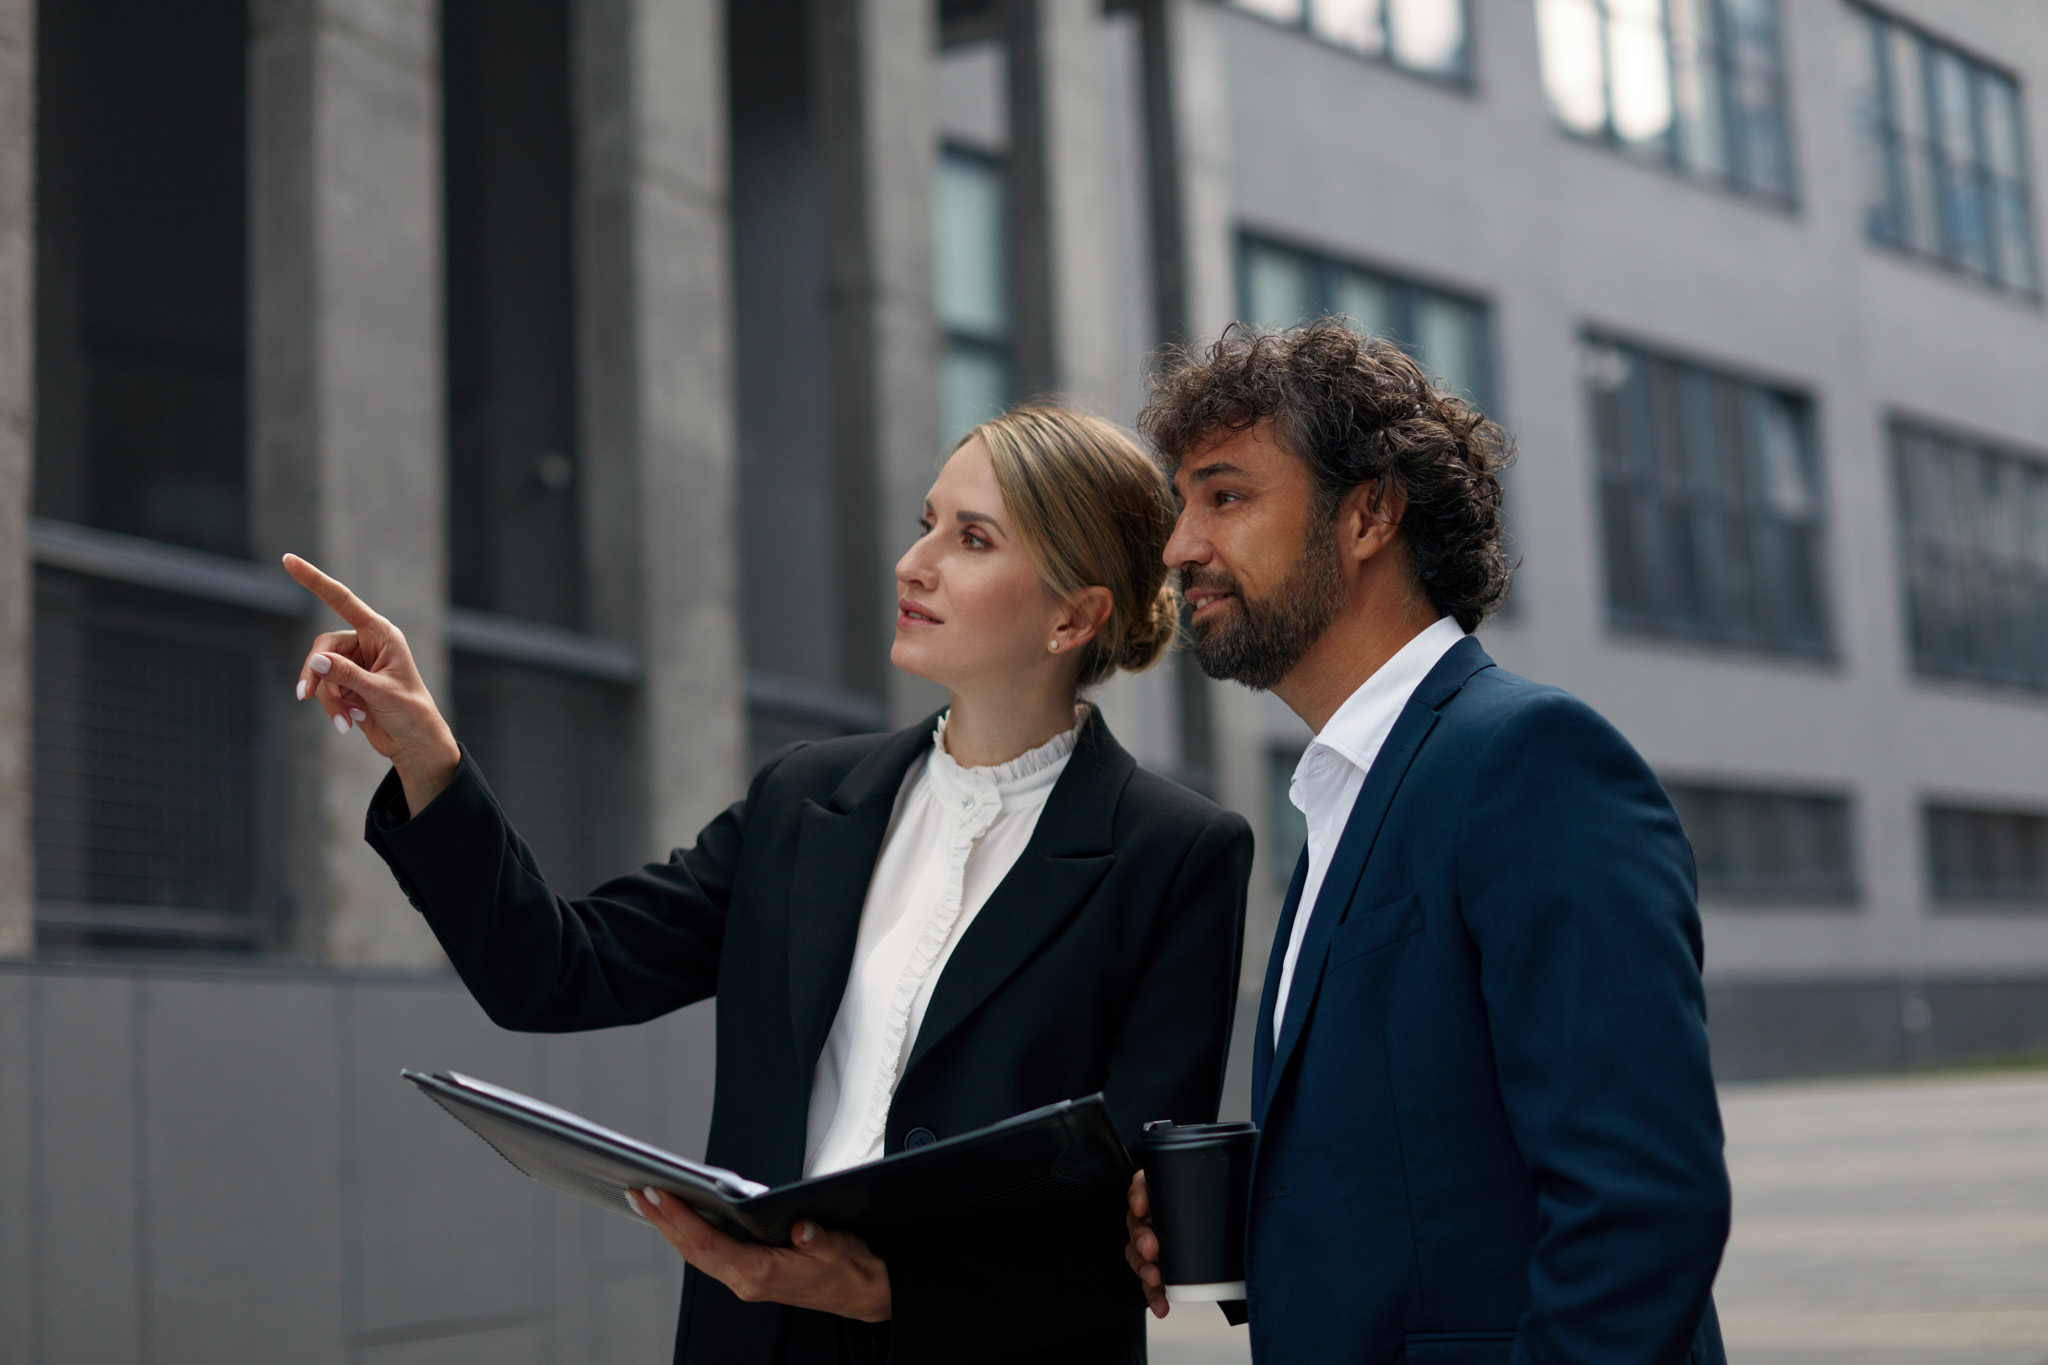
<point>909,935</point>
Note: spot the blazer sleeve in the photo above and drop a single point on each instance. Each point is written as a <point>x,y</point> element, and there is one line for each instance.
<point>1166,1061</point>
<point>637,947</point>
<point>1576,886</point>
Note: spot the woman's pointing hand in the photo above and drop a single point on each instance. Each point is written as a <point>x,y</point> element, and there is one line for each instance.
<point>366,676</point>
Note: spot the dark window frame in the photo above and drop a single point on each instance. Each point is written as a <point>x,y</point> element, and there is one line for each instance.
<point>1796,816</point>
<point>1958,648</point>
<point>1701,600</point>
<point>1463,81</point>
<point>999,346</point>
<point>1665,153</point>
<point>1895,231</point>
<point>2022,831</point>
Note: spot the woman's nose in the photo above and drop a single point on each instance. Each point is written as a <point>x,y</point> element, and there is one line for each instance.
<point>915,566</point>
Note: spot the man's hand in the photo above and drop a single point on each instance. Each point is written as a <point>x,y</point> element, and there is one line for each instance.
<point>833,1272</point>
<point>1142,1251</point>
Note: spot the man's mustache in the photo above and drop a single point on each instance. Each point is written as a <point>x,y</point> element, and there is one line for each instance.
<point>1190,579</point>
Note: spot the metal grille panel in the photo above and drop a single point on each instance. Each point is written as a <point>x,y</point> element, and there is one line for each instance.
<point>148,767</point>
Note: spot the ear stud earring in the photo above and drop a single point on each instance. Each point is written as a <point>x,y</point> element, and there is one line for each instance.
<point>1054,646</point>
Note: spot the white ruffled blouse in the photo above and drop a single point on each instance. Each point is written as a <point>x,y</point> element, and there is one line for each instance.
<point>953,837</point>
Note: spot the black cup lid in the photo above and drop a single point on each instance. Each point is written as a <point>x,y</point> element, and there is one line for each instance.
<point>1167,1133</point>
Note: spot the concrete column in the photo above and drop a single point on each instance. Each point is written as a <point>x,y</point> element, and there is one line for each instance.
<point>17,462</point>
<point>655,360</point>
<point>1071,98</point>
<point>346,405</point>
<point>871,65</point>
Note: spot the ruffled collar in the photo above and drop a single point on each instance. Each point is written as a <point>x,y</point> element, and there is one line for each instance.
<point>1028,772</point>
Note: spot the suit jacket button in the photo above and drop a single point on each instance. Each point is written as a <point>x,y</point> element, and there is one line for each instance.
<point>918,1137</point>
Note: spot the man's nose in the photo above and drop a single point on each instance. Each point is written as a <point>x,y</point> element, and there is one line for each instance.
<point>1185,545</point>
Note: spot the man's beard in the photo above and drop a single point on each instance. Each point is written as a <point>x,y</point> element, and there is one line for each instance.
<point>1264,638</point>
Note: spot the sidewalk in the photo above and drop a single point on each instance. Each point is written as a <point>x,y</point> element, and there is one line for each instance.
<point>1877,1222</point>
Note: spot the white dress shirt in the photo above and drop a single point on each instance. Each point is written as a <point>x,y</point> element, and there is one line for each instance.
<point>1333,768</point>
<point>953,837</point>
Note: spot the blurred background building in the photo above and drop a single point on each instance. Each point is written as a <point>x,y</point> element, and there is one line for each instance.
<point>608,346</point>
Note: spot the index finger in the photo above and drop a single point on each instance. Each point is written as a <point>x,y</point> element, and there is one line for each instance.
<point>332,591</point>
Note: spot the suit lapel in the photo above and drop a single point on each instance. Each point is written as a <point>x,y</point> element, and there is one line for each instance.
<point>1067,856</point>
<point>1262,1039</point>
<point>1361,832</point>
<point>838,844</point>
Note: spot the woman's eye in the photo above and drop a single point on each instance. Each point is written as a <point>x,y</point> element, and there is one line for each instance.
<point>973,541</point>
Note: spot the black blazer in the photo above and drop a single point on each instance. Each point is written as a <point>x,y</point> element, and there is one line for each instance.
<point>1106,960</point>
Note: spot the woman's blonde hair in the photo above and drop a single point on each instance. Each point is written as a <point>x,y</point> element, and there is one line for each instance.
<point>1092,511</point>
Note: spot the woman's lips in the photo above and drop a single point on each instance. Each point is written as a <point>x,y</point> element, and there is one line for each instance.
<point>914,616</point>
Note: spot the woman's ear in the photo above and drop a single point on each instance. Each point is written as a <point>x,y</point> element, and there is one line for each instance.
<point>1082,617</point>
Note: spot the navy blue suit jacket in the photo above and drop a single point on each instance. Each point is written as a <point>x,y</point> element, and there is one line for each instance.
<point>1489,1133</point>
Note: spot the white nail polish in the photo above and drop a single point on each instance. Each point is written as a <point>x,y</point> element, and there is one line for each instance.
<point>302,689</point>
<point>653,1196</point>
<point>341,725</point>
<point>633,1203</point>
<point>320,665</point>
<point>358,715</point>
<point>809,1233</point>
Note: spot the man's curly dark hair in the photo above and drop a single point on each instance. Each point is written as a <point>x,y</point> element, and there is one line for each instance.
<point>1357,409</point>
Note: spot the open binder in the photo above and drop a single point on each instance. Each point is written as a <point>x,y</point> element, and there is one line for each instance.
<point>1065,1153</point>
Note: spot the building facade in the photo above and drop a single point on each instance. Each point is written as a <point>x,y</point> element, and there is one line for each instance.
<point>607,346</point>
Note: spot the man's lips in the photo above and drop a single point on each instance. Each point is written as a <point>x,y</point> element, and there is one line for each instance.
<point>911,614</point>
<point>1204,600</point>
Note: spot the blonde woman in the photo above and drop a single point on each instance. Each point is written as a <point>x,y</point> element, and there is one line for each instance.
<point>910,935</point>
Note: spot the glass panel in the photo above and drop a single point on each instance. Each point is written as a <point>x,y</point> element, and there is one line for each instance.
<point>974,385</point>
<point>1863,54</point>
<point>2002,139</point>
<point>1357,24</point>
<point>1367,300</point>
<point>1760,154</point>
<point>1697,86</point>
<point>1429,35</point>
<point>1574,71</point>
<point>1286,11</point>
<point>1787,481</point>
<point>1951,125</point>
<point>1447,343</point>
<point>1280,287</point>
<point>970,246</point>
<point>1639,70</point>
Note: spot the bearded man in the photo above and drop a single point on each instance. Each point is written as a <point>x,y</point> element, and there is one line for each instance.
<point>1488,1128</point>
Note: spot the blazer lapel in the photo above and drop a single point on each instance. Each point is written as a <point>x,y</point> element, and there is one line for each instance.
<point>1361,832</point>
<point>1068,854</point>
<point>837,846</point>
<point>1262,1038</point>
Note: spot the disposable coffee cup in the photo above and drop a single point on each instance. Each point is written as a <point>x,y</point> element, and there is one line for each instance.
<point>1198,1177</point>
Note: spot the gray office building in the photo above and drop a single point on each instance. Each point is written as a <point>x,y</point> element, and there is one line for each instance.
<point>607,347</point>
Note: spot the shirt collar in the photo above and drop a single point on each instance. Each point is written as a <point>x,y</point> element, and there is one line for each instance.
<point>1355,732</point>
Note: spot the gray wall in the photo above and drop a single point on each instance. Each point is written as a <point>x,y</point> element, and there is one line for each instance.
<point>213,1166</point>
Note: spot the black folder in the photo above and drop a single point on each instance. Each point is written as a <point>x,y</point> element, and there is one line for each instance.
<point>1065,1153</point>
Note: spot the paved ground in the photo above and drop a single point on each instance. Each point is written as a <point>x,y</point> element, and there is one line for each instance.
<point>1888,1222</point>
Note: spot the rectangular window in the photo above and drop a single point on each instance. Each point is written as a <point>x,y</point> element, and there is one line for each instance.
<point>1283,286</point>
<point>1767,845</point>
<point>1988,857</point>
<point>1943,152</point>
<point>1974,538</point>
<point>1424,36</point>
<point>972,257</point>
<point>1696,85</point>
<point>1712,504</point>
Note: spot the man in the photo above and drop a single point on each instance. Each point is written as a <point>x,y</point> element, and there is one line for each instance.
<point>1488,1128</point>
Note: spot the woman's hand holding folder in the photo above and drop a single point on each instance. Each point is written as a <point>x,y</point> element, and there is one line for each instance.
<point>833,1272</point>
